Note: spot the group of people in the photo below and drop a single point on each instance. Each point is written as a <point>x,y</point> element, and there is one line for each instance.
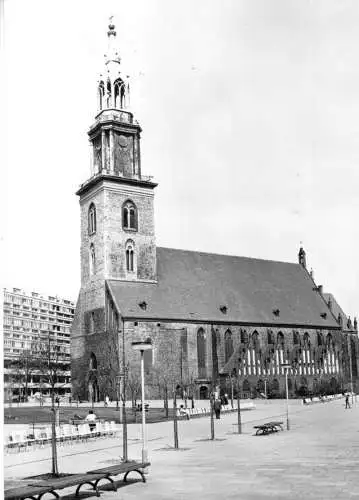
<point>217,406</point>
<point>218,403</point>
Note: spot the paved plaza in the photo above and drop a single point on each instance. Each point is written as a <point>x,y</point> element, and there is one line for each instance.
<point>318,457</point>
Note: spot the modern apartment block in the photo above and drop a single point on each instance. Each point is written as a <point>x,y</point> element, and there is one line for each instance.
<point>36,334</point>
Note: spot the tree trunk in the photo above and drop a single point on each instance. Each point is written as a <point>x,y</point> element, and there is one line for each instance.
<point>55,471</point>
<point>165,401</point>
<point>212,416</point>
<point>239,407</point>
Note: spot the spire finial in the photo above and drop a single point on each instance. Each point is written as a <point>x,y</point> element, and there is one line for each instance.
<point>111,27</point>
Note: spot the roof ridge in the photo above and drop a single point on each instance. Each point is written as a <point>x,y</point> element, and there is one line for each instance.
<point>200,252</point>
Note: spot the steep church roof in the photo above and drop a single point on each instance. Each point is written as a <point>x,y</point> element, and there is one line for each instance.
<point>197,286</point>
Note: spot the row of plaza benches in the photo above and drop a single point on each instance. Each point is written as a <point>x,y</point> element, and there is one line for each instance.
<point>322,399</point>
<point>198,412</point>
<point>36,489</point>
<point>67,433</point>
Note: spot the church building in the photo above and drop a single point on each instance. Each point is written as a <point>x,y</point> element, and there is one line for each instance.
<point>211,318</point>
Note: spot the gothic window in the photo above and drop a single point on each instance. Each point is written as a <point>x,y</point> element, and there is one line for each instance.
<point>130,256</point>
<point>119,94</point>
<point>354,358</point>
<point>329,340</point>
<point>319,339</point>
<point>92,258</point>
<point>108,94</point>
<point>101,94</point>
<point>129,216</point>
<point>306,340</point>
<point>92,219</point>
<point>295,338</point>
<point>228,345</point>
<point>270,338</point>
<point>280,340</point>
<point>93,362</point>
<point>92,323</point>
<point>148,360</point>
<point>201,353</point>
<point>244,337</point>
<point>255,340</point>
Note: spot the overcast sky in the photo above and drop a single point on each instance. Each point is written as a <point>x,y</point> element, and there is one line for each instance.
<point>250,117</point>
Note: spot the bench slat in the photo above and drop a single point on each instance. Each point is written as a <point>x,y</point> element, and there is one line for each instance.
<point>58,483</point>
<point>24,492</point>
<point>120,468</point>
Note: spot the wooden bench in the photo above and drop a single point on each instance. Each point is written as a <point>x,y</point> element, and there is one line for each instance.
<point>122,468</point>
<point>23,492</point>
<point>59,483</point>
<point>268,428</point>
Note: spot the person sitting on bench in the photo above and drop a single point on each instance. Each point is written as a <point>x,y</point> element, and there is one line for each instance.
<point>184,411</point>
<point>91,418</point>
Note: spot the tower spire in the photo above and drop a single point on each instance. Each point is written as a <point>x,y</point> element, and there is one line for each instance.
<point>113,86</point>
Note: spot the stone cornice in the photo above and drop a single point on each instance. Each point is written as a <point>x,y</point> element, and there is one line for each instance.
<point>115,125</point>
<point>84,188</point>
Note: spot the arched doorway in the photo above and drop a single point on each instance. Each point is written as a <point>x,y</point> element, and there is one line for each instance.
<point>203,392</point>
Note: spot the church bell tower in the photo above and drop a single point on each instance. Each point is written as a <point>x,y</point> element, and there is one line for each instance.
<point>117,216</point>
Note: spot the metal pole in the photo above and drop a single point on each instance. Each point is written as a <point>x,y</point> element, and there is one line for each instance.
<point>232,392</point>
<point>144,450</point>
<point>265,388</point>
<point>239,405</point>
<point>124,416</point>
<point>286,391</point>
<point>350,367</point>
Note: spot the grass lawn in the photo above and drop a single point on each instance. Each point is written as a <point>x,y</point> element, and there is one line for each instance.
<point>37,414</point>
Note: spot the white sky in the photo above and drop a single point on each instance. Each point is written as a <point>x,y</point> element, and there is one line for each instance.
<point>250,116</point>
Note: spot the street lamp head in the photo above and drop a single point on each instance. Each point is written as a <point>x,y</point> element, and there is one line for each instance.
<point>142,345</point>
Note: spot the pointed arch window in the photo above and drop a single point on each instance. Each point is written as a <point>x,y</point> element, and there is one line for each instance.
<point>130,256</point>
<point>201,353</point>
<point>129,216</point>
<point>101,94</point>
<point>92,219</point>
<point>119,93</point>
<point>228,345</point>
<point>92,258</point>
<point>255,340</point>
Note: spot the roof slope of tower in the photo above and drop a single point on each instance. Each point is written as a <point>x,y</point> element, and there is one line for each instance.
<point>197,286</point>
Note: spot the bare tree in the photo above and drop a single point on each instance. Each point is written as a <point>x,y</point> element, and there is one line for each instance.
<point>50,361</point>
<point>168,377</point>
<point>134,384</point>
<point>107,373</point>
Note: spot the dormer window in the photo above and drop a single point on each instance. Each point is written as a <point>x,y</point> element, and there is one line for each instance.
<point>129,216</point>
<point>92,219</point>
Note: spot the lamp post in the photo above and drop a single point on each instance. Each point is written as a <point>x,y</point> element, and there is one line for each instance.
<point>143,346</point>
<point>350,367</point>
<point>286,366</point>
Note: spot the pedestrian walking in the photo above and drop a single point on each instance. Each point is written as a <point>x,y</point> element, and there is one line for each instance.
<point>347,404</point>
<point>217,408</point>
<point>192,402</point>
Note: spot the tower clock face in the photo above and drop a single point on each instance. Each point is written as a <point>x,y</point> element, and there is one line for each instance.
<point>122,141</point>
